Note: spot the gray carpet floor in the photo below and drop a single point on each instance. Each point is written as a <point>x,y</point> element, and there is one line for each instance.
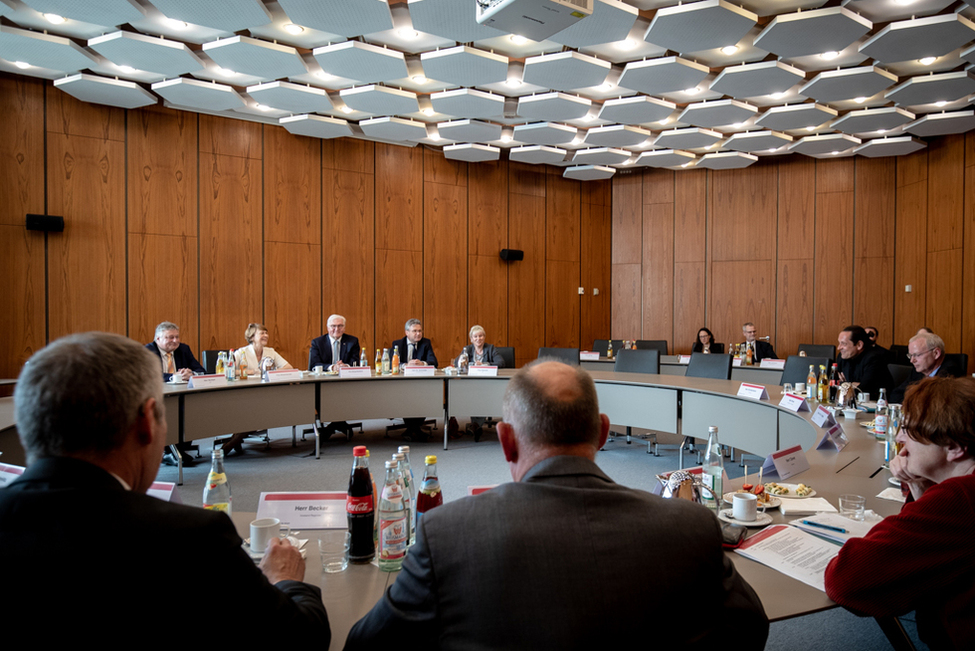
<point>281,467</point>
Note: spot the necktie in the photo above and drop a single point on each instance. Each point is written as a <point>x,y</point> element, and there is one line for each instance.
<point>170,367</point>
<point>335,352</point>
<point>409,357</point>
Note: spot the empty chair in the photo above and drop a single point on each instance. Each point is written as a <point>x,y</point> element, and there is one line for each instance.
<point>717,367</point>
<point>900,372</point>
<point>652,344</point>
<point>797,368</point>
<point>601,346</point>
<point>818,350</point>
<point>898,354</point>
<point>638,361</point>
<point>567,355</point>
<point>507,353</point>
<point>210,360</point>
<point>957,363</point>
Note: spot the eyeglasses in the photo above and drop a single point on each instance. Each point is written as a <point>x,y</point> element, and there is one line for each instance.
<point>911,356</point>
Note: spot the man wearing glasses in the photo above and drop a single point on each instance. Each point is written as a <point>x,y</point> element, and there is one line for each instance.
<point>927,353</point>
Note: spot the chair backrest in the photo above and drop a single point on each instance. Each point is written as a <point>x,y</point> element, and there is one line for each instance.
<point>717,367</point>
<point>567,355</point>
<point>507,353</point>
<point>957,363</point>
<point>601,346</point>
<point>898,354</point>
<point>797,368</point>
<point>652,344</point>
<point>899,372</point>
<point>818,350</point>
<point>638,361</point>
<point>210,360</point>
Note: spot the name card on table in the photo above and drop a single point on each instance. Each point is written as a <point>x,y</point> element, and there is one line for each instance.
<point>482,371</point>
<point>736,361</point>
<point>477,490</point>
<point>823,417</point>
<point>786,463</point>
<point>834,436</point>
<point>201,381</point>
<point>755,391</point>
<point>772,363</point>
<point>8,473</point>
<point>428,371</point>
<point>305,510</point>
<point>792,402</point>
<point>683,359</point>
<point>589,355</point>
<point>165,491</point>
<point>355,371</point>
<point>284,375</point>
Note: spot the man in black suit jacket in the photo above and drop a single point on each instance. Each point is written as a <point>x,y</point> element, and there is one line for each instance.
<point>861,362</point>
<point>167,342</point>
<point>927,353</point>
<point>760,349</point>
<point>91,418</point>
<point>422,352</point>
<point>549,549</point>
<point>321,347</point>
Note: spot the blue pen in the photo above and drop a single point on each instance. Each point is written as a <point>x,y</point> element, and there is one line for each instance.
<point>823,526</point>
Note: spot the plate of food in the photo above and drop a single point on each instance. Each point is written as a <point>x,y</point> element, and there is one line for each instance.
<point>764,499</point>
<point>791,491</point>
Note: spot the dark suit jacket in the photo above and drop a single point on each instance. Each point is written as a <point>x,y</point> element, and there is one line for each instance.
<point>321,351</point>
<point>897,395</point>
<point>869,368</point>
<point>182,358</point>
<point>716,348</point>
<point>551,561</point>
<point>424,351</point>
<point>90,554</point>
<point>763,350</point>
<point>491,356</point>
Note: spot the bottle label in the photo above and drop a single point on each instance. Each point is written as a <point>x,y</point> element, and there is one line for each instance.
<point>218,506</point>
<point>359,504</point>
<point>393,535</point>
<point>880,424</point>
<point>216,479</point>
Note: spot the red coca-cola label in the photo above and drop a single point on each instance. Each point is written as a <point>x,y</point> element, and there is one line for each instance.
<point>359,504</point>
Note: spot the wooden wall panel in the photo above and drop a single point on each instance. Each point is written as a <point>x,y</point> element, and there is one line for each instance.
<point>293,188</point>
<point>230,137</point>
<point>163,286</point>
<point>690,216</point>
<point>946,190</point>
<point>835,175</point>
<point>438,169</point>
<point>627,301</point>
<point>349,261</point>
<point>627,220</point>
<point>399,294</point>
<point>741,291</point>
<point>562,219</point>
<point>487,293</point>
<point>874,231</point>
<point>968,258</point>
<point>873,296</point>
<point>562,304</point>
<point>292,308</point>
<point>445,267</point>
<point>597,193</point>
<point>488,209</point>
<point>911,257</point>
<point>797,209</point>
<point>833,291</point>
<point>353,155</point>
<point>658,272</point>
<point>742,213</point>
<point>22,285</point>
<point>72,117</point>
<point>231,262</point>
<point>399,198</point>
<point>689,306</point>
<point>526,179</point>
<point>526,279</point>
<point>86,263</point>
<point>943,312</point>
<point>794,306</point>
<point>658,186</point>
<point>597,243</point>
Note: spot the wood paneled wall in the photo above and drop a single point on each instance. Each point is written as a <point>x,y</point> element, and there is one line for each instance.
<point>213,223</point>
<point>801,247</point>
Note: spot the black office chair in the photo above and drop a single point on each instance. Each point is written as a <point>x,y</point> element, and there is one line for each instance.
<point>818,350</point>
<point>957,363</point>
<point>716,367</point>
<point>601,346</point>
<point>638,361</point>
<point>209,361</point>
<point>507,353</point>
<point>899,372</point>
<point>797,368</point>
<point>567,355</point>
<point>652,344</point>
<point>898,354</point>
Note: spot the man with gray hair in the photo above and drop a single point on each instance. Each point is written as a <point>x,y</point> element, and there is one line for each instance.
<point>552,559</point>
<point>82,540</point>
<point>926,352</point>
<point>176,358</point>
<point>414,348</point>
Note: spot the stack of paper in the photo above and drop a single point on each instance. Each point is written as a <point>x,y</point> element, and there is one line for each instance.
<point>840,528</point>
<point>807,506</point>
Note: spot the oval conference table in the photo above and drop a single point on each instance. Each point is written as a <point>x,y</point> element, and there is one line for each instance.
<point>663,403</point>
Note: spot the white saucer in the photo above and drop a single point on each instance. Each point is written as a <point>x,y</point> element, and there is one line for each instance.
<point>773,501</point>
<point>761,519</point>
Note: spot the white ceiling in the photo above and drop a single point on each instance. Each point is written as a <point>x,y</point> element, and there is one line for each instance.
<point>706,83</point>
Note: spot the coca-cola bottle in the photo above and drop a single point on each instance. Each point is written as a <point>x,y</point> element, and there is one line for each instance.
<point>360,507</point>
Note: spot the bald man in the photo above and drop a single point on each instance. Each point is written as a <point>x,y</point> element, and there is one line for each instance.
<point>551,559</point>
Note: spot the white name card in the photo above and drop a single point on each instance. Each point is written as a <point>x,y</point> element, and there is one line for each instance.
<point>355,371</point>
<point>165,491</point>
<point>823,417</point>
<point>284,375</point>
<point>428,371</point>
<point>589,356</point>
<point>8,473</point>
<point>736,361</point>
<point>754,391</point>
<point>787,463</point>
<point>772,363</point>
<point>313,510</point>
<point>683,359</point>
<point>477,490</point>
<point>201,381</point>
<point>483,371</point>
<point>792,402</point>
<point>834,436</point>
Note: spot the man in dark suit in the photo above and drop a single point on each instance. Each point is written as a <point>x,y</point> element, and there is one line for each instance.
<point>861,362</point>
<point>323,348</point>
<point>927,354</point>
<point>760,349</point>
<point>91,418</point>
<point>175,357</point>
<point>414,348</point>
<point>551,560</point>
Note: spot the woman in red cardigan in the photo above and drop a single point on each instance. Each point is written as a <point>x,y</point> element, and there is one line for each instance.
<point>922,559</point>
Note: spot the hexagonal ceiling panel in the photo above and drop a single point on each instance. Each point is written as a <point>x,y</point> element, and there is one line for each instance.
<point>700,26</point>
<point>601,156</point>
<point>536,154</point>
<point>194,93</point>
<point>689,138</point>
<point>899,146</point>
<point>380,100</point>
<point>812,32</point>
<point>469,131</point>
<point>752,141</point>
<point>394,129</point>
<point>316,126</point>
<point>294,98</point>
<point>588,172</point>
<point>847,83</point>
<point>361,61</point>
<point>471,152</point>
<point>715,114</point>
<point>611,20</point>
<point>450,19</point>
<point>340,16</point>
<point>665,158</point>
<point>553,106</point>
<point>100,90</point>
<point>754,79</point>
<point>617,135</point>
<point>726,160</point>
<point>255,57</point>
<point>97,12</point>
<point>165,56</point>
<point>872,119</point>
<point>795,116</point>
<point>824,144</point>
<point>545,133</point>
<point>638,109</point>
<point>43,50</point>
<point>468,103</point>
<point>663,75</point>
<point>919,37</point>
<point>929,89</point>
<point>465,66</point>
<point>565,70</point>
<point>224,15</point>
<point>941,124</point>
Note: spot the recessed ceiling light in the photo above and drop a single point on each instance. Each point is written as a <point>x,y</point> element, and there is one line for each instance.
<point>427,111</point>
<point>23,65</point>
<point>738,125</point>
<point>686,164</point>
<point>941,103</point>
<point>419,79</point>
<point>505,138</point>
<point>588,117</point>
<point>324,75</point>
<point>577,140</point>
<point>859,100</point>
<point>434,136</point>
<point>926,61</point>
<point>882,131</point>
<point>407,32</point>
<point>834,152</point>
<point>692,91</point>
<point>712,145</point>
<point>126,69</point>
<point>771,150</point>
<point>513,83</point>
<point>665,121</point>
<point>226,72</point>
<point>54,19</point>
<point>829,56</point>
<point>346,109</point>
<point>176,24</point>
<point>293,29</point>
<point>729,49</point>
<point>903,3</point>
<point>627,44</point>
<point>778,95</point>
<point>263,107</point>
<point>810,127</point>
<point>607,86</point>
<point>518,39</point>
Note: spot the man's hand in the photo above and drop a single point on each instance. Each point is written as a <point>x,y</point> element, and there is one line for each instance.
<point>282,562</point>
<point>184,373</point>
<point>416,362</point>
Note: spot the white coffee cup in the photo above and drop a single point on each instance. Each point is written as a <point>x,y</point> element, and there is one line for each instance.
<point>800,387</point>
<point>263,530</point>
<point>319,369</point>
<point>744,507</point>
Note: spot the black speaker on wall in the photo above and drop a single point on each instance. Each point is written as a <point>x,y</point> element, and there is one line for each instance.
<point>48,223</point>
<point>512,255</point>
